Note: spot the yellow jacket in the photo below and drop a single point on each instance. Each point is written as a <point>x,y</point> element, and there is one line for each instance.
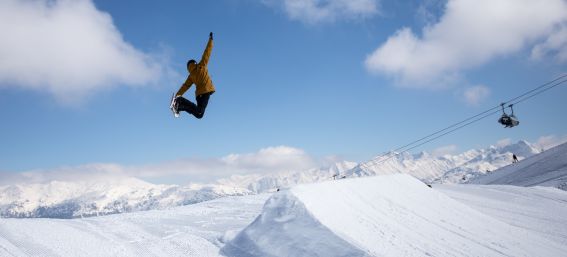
<point>200,75</point>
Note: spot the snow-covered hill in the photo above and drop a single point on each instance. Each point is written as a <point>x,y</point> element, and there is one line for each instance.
<point>546,169</point>
<point>70,199</point>
<point>445,169</point>
<point>390,215</point>
<point>542,210</point>
<point>393,215</point>
<point>195,230</point>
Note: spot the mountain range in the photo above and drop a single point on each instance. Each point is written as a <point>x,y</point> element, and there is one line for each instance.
<point>73,199</point>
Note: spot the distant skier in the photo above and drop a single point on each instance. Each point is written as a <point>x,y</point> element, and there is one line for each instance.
<point>198,75</point>
<point>514,158</point>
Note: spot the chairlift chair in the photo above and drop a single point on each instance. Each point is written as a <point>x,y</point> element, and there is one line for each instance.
<point>513,120</point>
<point>508,120</point>
<point>504,119</point>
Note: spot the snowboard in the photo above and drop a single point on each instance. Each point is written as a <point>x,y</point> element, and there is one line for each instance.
<point>173,106</point>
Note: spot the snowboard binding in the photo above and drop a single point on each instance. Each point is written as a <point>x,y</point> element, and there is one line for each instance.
<point>173,106</point>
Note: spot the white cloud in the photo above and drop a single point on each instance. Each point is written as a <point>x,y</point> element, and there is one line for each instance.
<point>470,33</point>
<point>67,48</point>
<point>321,11</point>
<point>555,46</point>
<point>94,171</point>
<point>476,94</point>
<point>550,141</point>
<point>504,142</point>
<point>444,150</point>
<point>278,158</point>
<point>267,160</point>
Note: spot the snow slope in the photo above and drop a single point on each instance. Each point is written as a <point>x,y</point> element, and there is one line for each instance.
<point>193,230</point>
<point>395,215</point>
<point>542,210</point>
<point>546,169</point>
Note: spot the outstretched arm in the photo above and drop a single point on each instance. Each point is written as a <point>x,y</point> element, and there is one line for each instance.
<point>208,50</point>
<point>188,83</point>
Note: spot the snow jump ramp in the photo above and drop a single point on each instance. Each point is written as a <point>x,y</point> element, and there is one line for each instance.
<point>393,215</point>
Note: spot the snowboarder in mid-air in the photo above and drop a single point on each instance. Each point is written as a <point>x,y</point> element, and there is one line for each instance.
<point>204,88</point>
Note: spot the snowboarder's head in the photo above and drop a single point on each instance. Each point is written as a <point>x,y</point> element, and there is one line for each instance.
<point>191,65</point>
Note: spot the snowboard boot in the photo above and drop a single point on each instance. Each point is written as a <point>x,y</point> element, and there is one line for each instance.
<point>174,106</point>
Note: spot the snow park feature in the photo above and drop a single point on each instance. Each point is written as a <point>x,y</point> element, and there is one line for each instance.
<point>379,214</point>
<point>541,210</point>
<point>393,215</point>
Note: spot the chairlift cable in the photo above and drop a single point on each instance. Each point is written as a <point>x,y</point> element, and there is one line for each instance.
<point>539,87</point>
<point>523,97</point>
<point>470,118</point>
<point>539,92</point>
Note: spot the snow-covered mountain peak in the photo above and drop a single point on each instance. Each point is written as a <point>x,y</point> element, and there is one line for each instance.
<point>114,194</point>
<point>342,166</point>
<point>522,148</point>
<point>259,183</point>
<point>447,168</point>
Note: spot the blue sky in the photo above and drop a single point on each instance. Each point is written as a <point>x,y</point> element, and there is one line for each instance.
<point>85,85</point>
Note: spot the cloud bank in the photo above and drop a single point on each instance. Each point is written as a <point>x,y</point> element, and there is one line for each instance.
<point>323,11</point>
<point>550,141</point>
<point>266,160</point>
<point>471,33</point>
<point>444,150</point>
<point>67,48</point>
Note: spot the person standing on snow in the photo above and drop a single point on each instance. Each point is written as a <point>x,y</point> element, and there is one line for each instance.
<point>514,158</point>
<point>204,88</point>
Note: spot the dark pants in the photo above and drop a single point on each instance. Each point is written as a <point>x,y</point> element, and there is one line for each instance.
<point>198,110</point>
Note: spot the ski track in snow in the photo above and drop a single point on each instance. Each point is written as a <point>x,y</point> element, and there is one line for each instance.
<point>542,210</point>
<point>394,215</point>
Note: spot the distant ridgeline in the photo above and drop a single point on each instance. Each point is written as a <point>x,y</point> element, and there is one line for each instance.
<point>72,199</point>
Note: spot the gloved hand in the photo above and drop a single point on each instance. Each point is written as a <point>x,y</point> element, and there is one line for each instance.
<point>211,35</point>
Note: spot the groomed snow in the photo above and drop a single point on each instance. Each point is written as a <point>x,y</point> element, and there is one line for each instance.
<point>193,230</point>
<point>542,210</point>
<point>394,215</point>
<point>545,169</point>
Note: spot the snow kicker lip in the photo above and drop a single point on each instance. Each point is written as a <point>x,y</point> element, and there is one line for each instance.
<point>286,228</point>
<point>393,215</point>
